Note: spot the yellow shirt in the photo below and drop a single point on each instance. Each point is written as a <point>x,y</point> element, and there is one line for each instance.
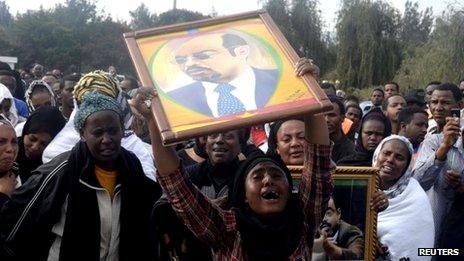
<point>107,179</point>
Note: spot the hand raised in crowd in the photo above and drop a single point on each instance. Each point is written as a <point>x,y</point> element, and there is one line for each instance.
<point>8,184</point>
<point>451,132</point>
<point>453,179</point>
<point>305,65</point>
<point>141,103</point>
<point>380,201</point>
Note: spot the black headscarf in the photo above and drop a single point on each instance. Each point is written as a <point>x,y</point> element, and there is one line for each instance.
<point>270,239</point>
<point>45,119</point>
<point>363,157</point>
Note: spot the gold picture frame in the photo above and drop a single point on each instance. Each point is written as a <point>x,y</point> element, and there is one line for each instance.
<point>188,63</point>
<point>368,179</point>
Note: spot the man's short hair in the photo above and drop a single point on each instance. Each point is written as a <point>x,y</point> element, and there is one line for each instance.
<point>356,107</point>
<point>385,101</point>
<point>378,89</point>
<point>328,85</point>
<point>405,116</point>
<point>447,86</point>
<point>433,83</point>
<point>396,84</point>
<point>133,82</point>
<point>230,41</point>
<point>352,98</point>
<point>336,99</point>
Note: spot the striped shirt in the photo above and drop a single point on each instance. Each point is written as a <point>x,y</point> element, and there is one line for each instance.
<point>218,228</point>
<point>430,173</point>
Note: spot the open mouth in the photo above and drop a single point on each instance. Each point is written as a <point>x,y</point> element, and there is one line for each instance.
<point>387,169</point>
<point>296,154</point>
<point>221,150</point>
<point>270,195</point>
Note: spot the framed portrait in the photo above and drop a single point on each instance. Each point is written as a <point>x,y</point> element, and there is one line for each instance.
<point>349,212</point>
<point>220,74</point>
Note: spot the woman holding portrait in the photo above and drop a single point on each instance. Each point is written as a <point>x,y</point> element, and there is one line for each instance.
<point>407,223</point>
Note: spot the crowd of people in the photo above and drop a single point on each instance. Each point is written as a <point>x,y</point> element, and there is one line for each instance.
<point>84,175</point>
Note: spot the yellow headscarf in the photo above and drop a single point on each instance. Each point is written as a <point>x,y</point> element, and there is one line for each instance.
<point>96,81</point>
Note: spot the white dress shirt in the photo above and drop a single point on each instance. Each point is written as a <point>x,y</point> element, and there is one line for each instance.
<point>244,91</point>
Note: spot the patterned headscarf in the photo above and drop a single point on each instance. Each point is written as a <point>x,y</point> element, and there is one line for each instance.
<point>6,94</point>
<point>93,102</point>
<point>403,181</point>
<point>100,82</point>
<point>31,89</point>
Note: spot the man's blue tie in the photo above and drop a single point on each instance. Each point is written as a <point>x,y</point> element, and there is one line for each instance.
<point>227,102</point>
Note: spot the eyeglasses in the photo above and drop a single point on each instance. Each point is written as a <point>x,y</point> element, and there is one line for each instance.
<point>200,56</point>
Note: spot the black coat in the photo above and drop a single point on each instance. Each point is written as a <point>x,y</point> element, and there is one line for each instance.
<point>27,219</point>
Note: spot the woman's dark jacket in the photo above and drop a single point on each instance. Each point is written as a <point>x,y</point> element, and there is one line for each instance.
<point>27,219</point>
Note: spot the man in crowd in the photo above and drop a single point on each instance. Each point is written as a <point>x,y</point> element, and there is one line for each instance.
<point>445,97</point>
<point>223,81</point>
<point>429,90</point>
<point>391,88</point>
<point>415,99</point>
<point>329,89</point>
<point>334,118</point>
<point>461,86</point>
<point>37,71</point>
<point>339,239</point>
<point>354,115</point>
<point>392,106</point>
<point>413,124</point>
<point>440,163</point>
<point>129,83</point>
<point>7,78</point>
<point>57,73</point>
<point>50,79</point>
<point>113,73</point>
<point>377,97</point>
<point>67,98</point>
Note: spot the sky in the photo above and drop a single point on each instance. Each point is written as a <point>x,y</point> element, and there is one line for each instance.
<point>119,9</point>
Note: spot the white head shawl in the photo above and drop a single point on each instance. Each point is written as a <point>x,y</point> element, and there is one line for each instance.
<point>403,181</point>
<point>31,88</point>
<point>6,94</point>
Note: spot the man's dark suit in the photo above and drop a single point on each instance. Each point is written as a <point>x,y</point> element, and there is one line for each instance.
<point>193,95</point>
<point>351,240</point>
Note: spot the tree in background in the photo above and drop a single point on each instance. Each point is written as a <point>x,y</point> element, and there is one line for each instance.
<point>300,22</point>
<point>175,16</point>
<point>5,16</point>
<point>415,27</point>
<point>280,13</point>
<point>141,18</point>
<point>368,49</point>
<point>6,19</point>
<point>441,57</point>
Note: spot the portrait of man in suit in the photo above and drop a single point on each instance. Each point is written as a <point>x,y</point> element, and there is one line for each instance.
<point>337,239</point>
<point>223,81</point>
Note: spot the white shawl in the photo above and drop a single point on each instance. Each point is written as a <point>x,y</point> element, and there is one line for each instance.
<point>6,94</point>
<point>407,223</point>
